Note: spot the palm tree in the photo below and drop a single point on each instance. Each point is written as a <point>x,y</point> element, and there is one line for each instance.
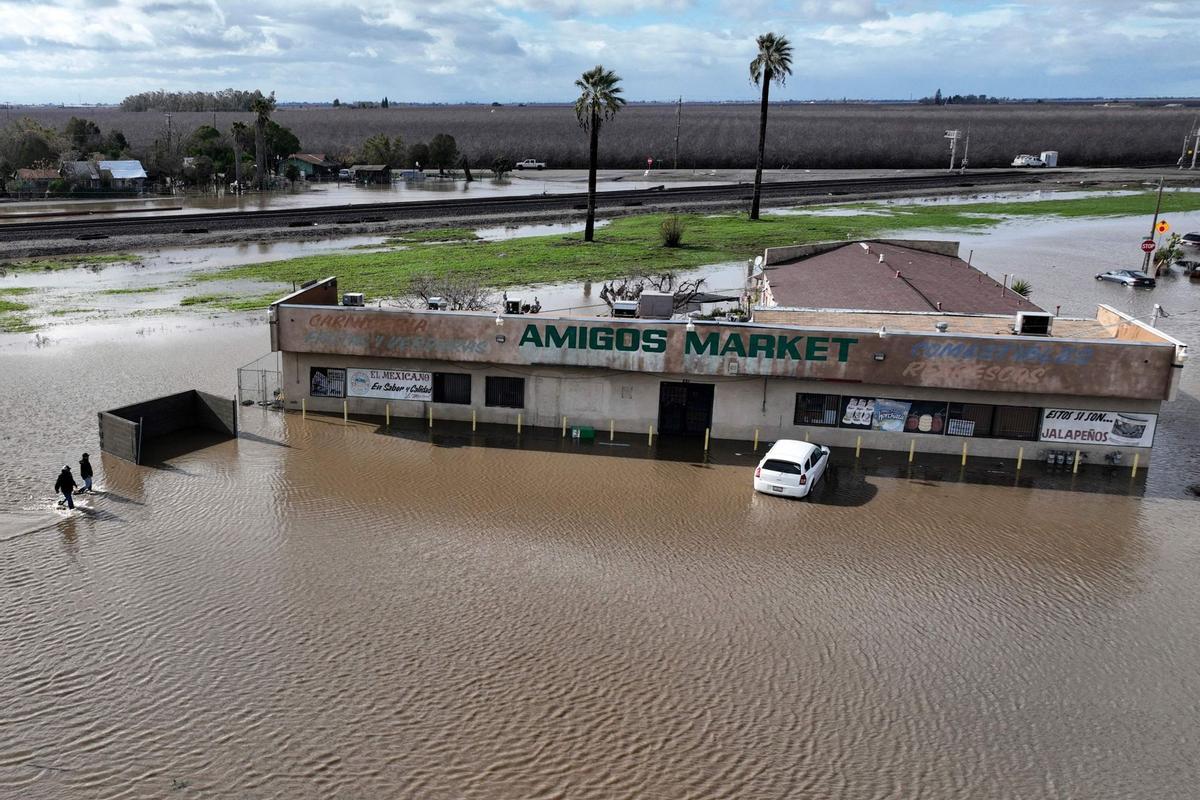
<point>262,108</point>
<point>239,133</point>
<point>599,100</point>
<point>773,63</point>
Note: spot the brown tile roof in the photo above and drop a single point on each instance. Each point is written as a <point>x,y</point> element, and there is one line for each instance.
<point>852,277</point>
<point>37,174</point>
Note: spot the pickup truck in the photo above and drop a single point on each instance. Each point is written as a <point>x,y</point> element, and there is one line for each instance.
<point>531,163</point>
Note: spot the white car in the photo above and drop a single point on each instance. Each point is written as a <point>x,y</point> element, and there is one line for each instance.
<point>1028,161</point>
<point>791,468</point>
<point>531,163</point>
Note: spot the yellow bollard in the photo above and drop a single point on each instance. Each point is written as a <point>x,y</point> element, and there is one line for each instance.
<point>912,446</point>
<point>1020,457</point>
<point>564,427</point>
<point>964,458</point>
<point>518,424</point>
<point>472,420</point>
<point>756,440</point>
<point>345,413</point>
<point>303,408</point>
<point>650,437</point>
<point>857,446</point>
<point>431,416</point>
<point>387,414</point>
<point>1136,457</point>
<point>610,430</point>
<point>1075,466</point>
<point>806,436</point>
<point>706,430</point>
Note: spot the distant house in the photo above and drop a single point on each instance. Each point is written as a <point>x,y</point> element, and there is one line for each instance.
<point>371,173</point>
<point>81,174</point>
<point>36,180</point>
<point>312,165</point>
<point>123,174</point>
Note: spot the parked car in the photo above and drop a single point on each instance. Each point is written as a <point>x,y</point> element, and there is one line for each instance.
<point>791,468</point>
<point>531,163</point>
<point>1128,277</point>
<point>1190,240</point>
<point>1025,160</point>
<point>345,175</point>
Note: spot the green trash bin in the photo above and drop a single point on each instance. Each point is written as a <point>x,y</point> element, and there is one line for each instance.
<point>583,432</point>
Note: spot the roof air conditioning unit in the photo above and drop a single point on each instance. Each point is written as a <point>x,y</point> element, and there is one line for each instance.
<point>512,305</point>
<point>1033,323</point>
<point>353,299</point>
<point>625,308</point>
<point>436,304</point>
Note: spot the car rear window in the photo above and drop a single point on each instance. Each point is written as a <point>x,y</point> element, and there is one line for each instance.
<point>776,465</point>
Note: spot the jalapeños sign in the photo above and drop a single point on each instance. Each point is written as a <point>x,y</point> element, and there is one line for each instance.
<point>695,343</point>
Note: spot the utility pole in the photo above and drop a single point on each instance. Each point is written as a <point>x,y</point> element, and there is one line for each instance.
<point>1153,225</point>
<point>962,165</point>
<point>1195,146</point>
<point>953,137</point>
<point>678,115</point>
<point>168,116</point>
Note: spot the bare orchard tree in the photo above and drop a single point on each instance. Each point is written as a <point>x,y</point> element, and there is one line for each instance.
<point>631,288</point>
<point>459,292</point>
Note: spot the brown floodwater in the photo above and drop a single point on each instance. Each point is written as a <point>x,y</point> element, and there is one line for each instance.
<point>326,610</point>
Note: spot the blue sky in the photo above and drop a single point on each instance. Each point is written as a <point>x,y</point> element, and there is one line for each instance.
<point>531,50</point>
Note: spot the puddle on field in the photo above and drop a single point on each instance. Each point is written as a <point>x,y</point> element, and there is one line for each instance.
<point>503,232</point>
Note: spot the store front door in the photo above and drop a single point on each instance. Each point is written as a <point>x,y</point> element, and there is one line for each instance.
<point>684,408</point>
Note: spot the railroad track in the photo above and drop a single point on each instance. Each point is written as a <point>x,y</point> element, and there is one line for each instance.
<point>463,208</point>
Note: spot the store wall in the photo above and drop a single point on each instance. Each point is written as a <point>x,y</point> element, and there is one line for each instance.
<point>742,405</point>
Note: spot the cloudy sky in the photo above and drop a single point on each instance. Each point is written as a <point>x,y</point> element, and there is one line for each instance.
<point>512,50</point>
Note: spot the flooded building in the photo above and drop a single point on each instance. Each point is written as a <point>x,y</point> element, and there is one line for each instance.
<point>914,349</point>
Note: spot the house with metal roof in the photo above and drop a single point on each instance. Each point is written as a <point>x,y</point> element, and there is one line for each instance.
<point>124,174</point>
<point>312,165</point>
<point>371,173</point>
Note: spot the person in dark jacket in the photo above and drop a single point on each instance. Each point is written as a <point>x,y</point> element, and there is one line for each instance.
<point>66,485</point>
<point>85,472</point>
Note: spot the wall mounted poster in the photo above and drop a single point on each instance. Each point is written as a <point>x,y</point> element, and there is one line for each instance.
<point>857,412</point>
<point>326,382</point>
<point>1117,428</point>
<point>890,415</point>
<point>391,384</point>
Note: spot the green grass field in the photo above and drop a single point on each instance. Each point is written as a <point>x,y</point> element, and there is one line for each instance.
<point>631,244</point>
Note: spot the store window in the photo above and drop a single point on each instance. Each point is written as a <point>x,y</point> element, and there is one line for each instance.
<point>970,419</point>
<point>817,409</point>
<point>1016,422</point>
<point>505,392</point>
<point>452,387</point>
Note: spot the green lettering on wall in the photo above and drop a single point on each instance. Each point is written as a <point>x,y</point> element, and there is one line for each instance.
<point>557,338</point>
<point>600,339</point>
<point>654,341</point>
<point>531,336</point>
<point>816,348</point>
<point>843,348</point>
<point>694,344</point>
<point>788,347</point>
<point>762,344</point>
<point>733,344</point>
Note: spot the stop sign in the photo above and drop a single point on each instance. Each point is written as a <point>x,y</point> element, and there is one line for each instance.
<point>1148,246</point>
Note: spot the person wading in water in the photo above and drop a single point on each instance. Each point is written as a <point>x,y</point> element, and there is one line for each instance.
<point>66,485</point>
<point>85,472</point>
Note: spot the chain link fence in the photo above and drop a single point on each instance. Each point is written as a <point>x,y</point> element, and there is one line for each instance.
<point>259,383</point>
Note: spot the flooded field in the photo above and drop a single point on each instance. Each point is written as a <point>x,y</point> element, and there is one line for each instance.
<point>325,610</point>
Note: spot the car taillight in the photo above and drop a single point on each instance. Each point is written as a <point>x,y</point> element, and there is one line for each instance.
<point>758,472</point>
<point>803,479</point>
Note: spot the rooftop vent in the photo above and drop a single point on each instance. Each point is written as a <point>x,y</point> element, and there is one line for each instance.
<point>881,258</point>
<point>1033,323</point>
<point>942,327</point>
<point>625,308</point>
<point>512,305</point>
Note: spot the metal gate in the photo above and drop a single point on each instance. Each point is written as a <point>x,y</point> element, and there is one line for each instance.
<point>259,383</point>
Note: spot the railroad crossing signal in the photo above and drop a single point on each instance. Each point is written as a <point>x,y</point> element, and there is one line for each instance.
<point>1162,226</point>
<point>1148,246</point>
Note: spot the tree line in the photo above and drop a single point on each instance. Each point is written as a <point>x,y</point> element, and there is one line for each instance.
<point>223,100</point>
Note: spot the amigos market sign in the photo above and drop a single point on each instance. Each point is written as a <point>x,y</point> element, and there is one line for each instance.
<point>709,343</point>
<point>980,363</point>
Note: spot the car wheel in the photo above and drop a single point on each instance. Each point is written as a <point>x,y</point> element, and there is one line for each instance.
<point>1099,277</point>
<point>539,169</point>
